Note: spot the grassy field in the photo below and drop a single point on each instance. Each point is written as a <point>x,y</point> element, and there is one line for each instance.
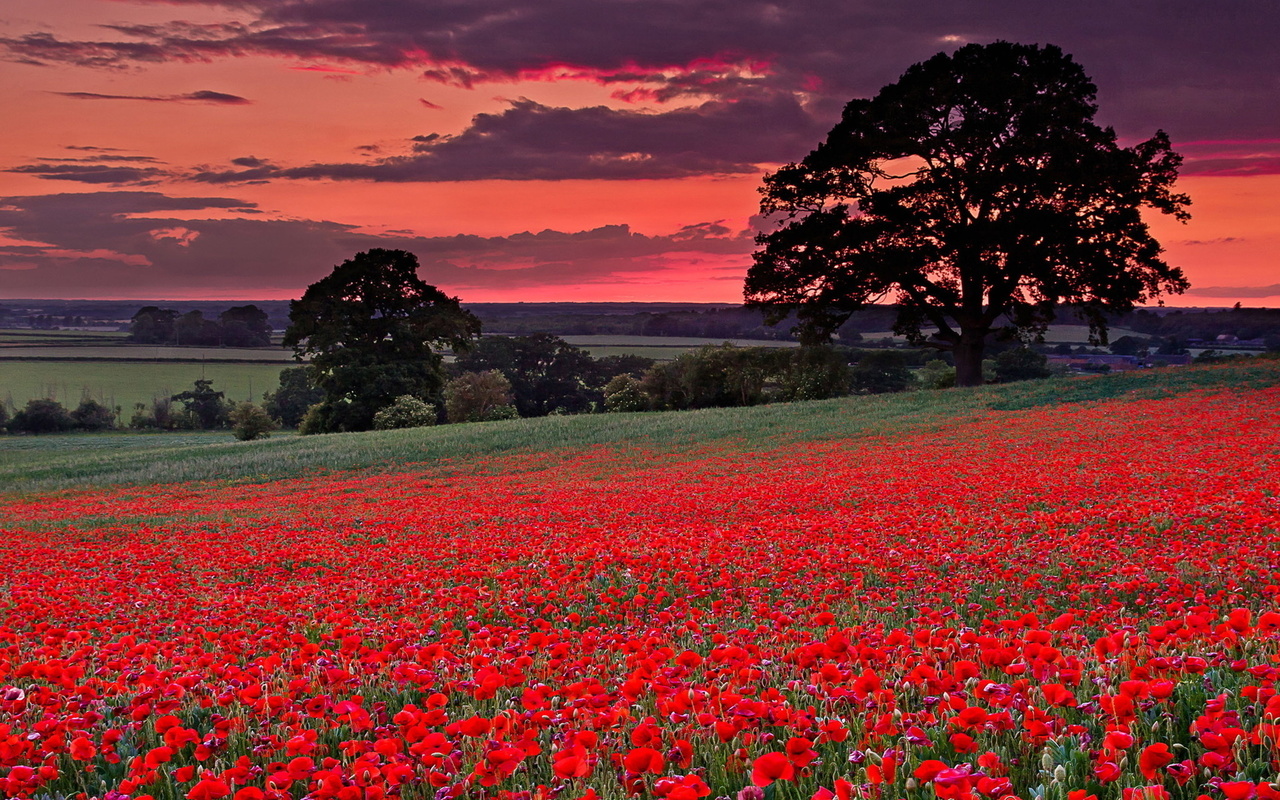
<point>124,383</point>
<point>47,463</point>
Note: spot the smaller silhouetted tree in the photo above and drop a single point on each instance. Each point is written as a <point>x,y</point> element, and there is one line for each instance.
<point>373,329</point>
<point>208,406</point>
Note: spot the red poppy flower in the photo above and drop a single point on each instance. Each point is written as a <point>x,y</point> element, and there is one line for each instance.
<point>772,767</point>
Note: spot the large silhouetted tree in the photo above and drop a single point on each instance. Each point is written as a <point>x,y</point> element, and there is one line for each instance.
<point>978,193</point>
<point>371,329</point>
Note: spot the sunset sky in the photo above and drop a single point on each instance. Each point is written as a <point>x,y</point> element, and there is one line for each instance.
<point>536,150</point>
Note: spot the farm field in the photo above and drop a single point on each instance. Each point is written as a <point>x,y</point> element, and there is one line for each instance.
<point>40,337</point>
<point>1056,334</point>
<point>681,342</point>
<point>659,348</point>
<point>124,383</point>
<point>1060,591</point>
<point>144,352</point>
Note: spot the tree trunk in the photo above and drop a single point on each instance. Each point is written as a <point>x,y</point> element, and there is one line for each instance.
<point>968,357</point>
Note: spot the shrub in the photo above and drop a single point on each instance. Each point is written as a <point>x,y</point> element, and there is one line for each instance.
<point>479,397</point>
<point>162,415</point>
<point>815,373</point>
<point>663,385</point>
<point>314,420</point>
<point>1021,364</point>
<point>545,373</point>
<point>881,372</point>
<point>714,376</point>
<point>249,422</point>
<point>42,416</point>
<point>4,416</point>
<point>625,393</point>
<point>406,412</point>
<point>91,415</point>
<point>937,374</point>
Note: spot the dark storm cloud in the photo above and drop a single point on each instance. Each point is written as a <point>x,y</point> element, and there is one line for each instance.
<point>117,242</point>
<point>530,141</point>
<point>1193,68</point>
<point>1197,71</point>
<point>204,96</point>
<point>1185,65</point>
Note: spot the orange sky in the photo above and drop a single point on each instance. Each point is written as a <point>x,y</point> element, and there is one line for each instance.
<point>318,108</point>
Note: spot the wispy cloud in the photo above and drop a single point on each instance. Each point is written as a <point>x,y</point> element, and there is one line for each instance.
<point>113,175</point>
<point>205,96</point>
<point>1236,291</point>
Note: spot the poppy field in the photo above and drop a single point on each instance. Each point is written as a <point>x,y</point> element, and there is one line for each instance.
<point>1065,602</point>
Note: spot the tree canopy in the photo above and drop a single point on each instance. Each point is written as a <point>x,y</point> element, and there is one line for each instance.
<point>978,193</point>
<point>372,328</point>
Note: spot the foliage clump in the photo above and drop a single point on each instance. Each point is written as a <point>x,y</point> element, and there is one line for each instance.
<point>406,412</point>
<point>296,393</point>
<point>479,397</point>
<point>91,416</point>
<point>625,393</point>
<point>1021,364</point>
<point>250,422</point>
<point>881,372</point>
<point>42,415</point>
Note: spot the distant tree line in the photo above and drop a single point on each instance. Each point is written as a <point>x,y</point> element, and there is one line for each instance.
<point>239,326</point>
<point>1248,324</point>
<point>734,322</point>
<point>199,408</point>
<point>49,322</point>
